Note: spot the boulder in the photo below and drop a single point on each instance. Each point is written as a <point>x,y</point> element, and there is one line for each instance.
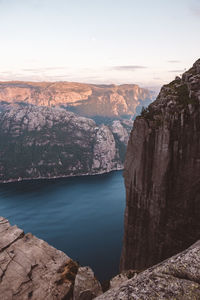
<point>175,278</point>
<point>86,286</point>
<point>32,269</point>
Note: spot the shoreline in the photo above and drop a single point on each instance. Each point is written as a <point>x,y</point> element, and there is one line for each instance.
<point>58,177</point>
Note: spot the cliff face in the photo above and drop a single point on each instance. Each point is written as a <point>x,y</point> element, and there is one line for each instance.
<point>41,137</point>
<point>161,174</point>
<point>84,99</point>
<point>175,278</point>
<point>32,269</point>
<point>45,142</point>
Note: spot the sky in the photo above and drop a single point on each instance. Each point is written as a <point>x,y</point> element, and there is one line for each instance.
<point>98,41</point>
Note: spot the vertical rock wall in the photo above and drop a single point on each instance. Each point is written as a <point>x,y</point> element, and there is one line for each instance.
<point>162,175</point>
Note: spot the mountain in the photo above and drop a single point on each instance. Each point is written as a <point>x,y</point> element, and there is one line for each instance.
<point>46,132</point>
<point>161,174</point>
<point>85,99</point>
<point>162,170</point>
<point>48,142</point>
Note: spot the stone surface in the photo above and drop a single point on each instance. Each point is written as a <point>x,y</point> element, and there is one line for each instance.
<point>85,99</point>
<point>32,269</point>
<point>45,142</point>
<point>175,278</point>
<point>162,180</point>
<point>120,278</point>
<point>86,286</point>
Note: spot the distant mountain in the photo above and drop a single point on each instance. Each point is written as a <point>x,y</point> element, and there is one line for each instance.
<point>48,142</point>
<point>85,99</point>
<point>45,130</point>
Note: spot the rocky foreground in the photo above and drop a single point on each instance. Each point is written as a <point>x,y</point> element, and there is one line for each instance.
<point>32,269</point>
<point>84,99</point>
<point>175,278</point>
<point>162,169</point>
<point>43,142</point>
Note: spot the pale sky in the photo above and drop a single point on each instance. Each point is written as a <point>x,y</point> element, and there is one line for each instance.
<point>98,41</point>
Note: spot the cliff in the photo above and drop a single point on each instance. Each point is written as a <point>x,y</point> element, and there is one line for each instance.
<point>84,99</point>
<point>32,269</point>
<point>175,278</point>
<point>161,174</point>
<point>48,142</point>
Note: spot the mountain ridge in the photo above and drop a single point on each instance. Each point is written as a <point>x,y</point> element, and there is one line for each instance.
<point>84,99</point>
<point>39,142</point>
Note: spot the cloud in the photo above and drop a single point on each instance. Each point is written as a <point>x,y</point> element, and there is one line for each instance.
<point>6,72</point>
<point>128,68</point>
<point>93,39</point>
<point>157,78</point>
<point>46,69</point>
<point>177,71</point>
<point>174,61</point>
<point>9,76</point>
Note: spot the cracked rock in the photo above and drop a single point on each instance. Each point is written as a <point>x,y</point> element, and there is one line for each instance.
<point>32,269</point>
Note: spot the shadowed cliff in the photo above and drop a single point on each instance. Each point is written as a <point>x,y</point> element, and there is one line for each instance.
<point>50,142</point>
<point>161,174</point>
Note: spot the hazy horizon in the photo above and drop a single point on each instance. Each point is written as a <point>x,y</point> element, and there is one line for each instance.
<point>107,42</point>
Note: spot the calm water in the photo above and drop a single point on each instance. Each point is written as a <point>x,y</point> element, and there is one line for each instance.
<point>82,216</point>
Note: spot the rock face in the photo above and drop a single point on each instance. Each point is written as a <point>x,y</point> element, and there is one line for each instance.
<point>31,269</point>
<point>162,180</point>
<point>86,286</point>
<point>41,137</point>
<point>45,142</point>
<point>176,278</point>
<point>84,99</point>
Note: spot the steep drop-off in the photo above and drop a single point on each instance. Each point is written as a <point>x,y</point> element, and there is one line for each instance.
<point>162,175</point>
<point>176,278</point>
<point>44,142</point>
<point>32,269</point>
<point>84,99</point>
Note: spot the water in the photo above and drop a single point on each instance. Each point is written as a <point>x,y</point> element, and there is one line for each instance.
<point>82,216</point>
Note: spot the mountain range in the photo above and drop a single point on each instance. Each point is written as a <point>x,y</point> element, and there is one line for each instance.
<point>85,99</point>
<point>60,129</point>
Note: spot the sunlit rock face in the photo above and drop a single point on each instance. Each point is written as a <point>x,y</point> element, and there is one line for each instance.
<point>84,99</point>
<point>31,268</point>
<point>47,142</point>
<point>161,174</point>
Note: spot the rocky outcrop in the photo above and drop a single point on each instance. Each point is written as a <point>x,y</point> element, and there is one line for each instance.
<point>32,269</point>
<point>86,286</point>
<point>44,142</point>
<point>175,278</point>
<point>84,99</point>
<point>117,281</point>
<point>162,181</point>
